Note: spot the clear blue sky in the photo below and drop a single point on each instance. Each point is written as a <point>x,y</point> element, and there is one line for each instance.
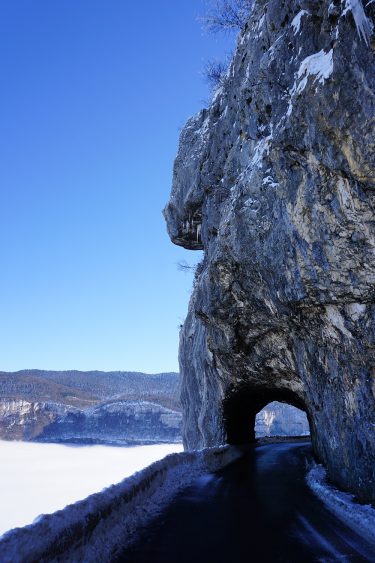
<point>93,93</point>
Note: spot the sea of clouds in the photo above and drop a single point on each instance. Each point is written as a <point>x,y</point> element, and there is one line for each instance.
<point>42,478</point>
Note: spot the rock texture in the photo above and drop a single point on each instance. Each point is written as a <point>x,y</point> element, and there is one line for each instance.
<point>276,182</point>
<point>119,422</point>
<point>278,419</point>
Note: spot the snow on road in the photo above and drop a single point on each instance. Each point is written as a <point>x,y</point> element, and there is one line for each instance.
<point>359,517</point>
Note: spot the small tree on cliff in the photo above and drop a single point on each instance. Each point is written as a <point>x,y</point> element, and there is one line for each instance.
<point>214,73</point>
<point>227,15</point>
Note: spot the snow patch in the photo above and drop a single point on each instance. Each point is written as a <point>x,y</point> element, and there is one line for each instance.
<point>261,148</point>
<point>331,8</point>
<point>319,65</point>
<point>272,49</point>
<point>218,92</point>
<point>260,23</point>
<point>296,22</point>
<point>269,181</point>
<point>361,518</point>
<point>202,131</point>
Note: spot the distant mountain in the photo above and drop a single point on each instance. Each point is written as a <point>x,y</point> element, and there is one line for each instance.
<point>109,407</point>
<point>90,407</point>
<point>88,388</point>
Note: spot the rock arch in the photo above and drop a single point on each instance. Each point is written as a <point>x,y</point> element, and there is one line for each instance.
<point>240,408</point>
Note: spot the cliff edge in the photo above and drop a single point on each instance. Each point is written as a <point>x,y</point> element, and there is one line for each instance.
<point>276,182</point>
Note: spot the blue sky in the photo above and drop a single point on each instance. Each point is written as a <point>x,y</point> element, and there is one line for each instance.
<point>93,95</point>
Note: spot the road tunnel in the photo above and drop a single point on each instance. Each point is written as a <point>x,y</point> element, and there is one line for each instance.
<point>241,407</point>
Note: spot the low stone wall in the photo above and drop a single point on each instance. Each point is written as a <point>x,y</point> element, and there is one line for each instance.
<point>99,527</point>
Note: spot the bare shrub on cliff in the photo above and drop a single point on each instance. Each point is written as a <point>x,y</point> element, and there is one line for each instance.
<point>184,267</point>
<point>227,15</point>
<point>196,269</point>
<point>214,73</point>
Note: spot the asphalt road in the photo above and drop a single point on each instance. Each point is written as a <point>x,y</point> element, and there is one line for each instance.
<point>258,509</point>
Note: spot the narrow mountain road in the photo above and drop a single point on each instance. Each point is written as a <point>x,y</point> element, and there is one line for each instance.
<point>258,509</point>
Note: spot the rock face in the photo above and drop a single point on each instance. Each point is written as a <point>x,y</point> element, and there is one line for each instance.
<point>278,419</point>
<point>120,422</point>
<point>276,182</point>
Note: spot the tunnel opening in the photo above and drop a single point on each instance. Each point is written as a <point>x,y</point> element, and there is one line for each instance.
<point>281,420</point>
<point>250,414</point>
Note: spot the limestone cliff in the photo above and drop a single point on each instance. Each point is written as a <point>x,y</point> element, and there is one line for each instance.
<point>90,407</point>
<point>113,422</point>
<point>276,182</point>
<point>278,419</point>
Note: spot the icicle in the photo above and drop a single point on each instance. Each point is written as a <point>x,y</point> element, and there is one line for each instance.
<point>363,24</point>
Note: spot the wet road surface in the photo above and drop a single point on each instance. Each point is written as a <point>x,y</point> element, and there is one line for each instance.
<point>258,509</point>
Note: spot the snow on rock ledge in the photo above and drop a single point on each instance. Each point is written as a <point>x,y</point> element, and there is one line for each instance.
<point>96,528</point>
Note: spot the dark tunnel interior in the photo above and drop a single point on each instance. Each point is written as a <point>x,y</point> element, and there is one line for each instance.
<point>241,407</point>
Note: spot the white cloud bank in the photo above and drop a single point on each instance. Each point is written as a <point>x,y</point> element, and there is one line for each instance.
<point>42,478</point>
